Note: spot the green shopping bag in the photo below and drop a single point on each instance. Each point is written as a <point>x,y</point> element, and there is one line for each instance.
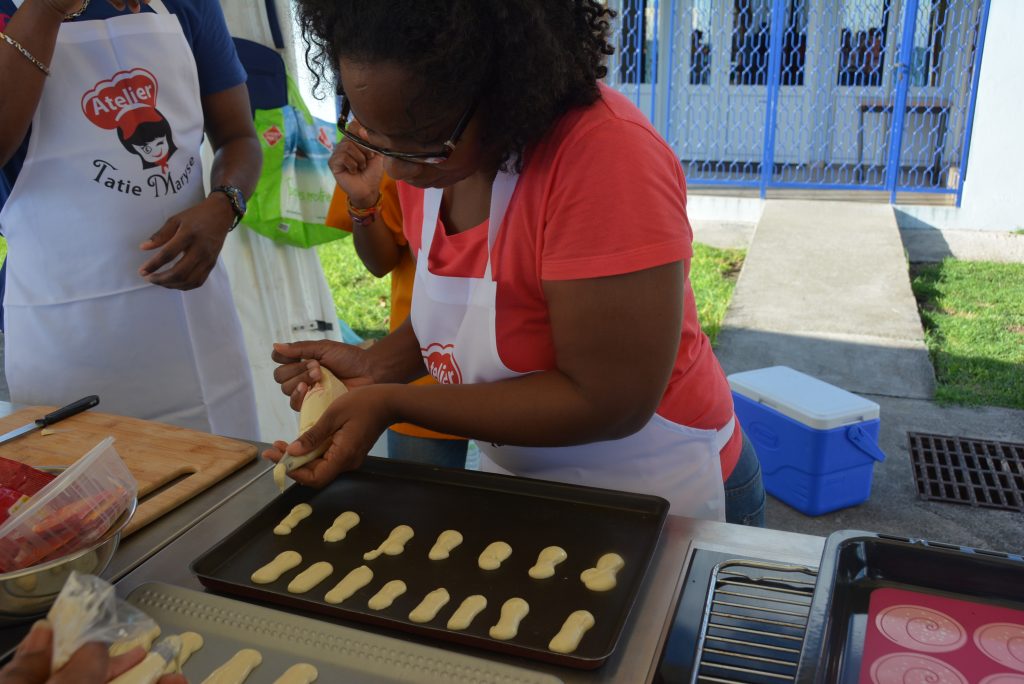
<point>295,187</point>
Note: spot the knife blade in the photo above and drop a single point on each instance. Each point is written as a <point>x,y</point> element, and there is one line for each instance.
<point>60,414</point>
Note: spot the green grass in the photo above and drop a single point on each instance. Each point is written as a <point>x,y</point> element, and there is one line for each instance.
<point>364,301</point>
<point>713,274</point>
<point>974,327</point>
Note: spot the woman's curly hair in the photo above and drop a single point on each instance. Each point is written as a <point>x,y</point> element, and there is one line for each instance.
<point>526,61</point>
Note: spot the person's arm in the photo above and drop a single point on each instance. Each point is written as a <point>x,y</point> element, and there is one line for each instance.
<point>615,338</point>
<point>198,233</point>
<point>35,27</point>
<point>361,180</point>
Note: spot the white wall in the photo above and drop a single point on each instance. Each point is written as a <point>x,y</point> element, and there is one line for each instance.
<point>993,196</point>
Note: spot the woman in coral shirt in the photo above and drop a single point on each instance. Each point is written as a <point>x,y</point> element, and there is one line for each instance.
<point>552,301</point>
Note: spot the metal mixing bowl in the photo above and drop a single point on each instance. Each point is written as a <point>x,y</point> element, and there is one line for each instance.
<point>27,594</point>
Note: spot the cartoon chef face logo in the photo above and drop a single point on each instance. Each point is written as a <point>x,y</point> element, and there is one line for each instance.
<point>126,102</point>
<point>440,361</point>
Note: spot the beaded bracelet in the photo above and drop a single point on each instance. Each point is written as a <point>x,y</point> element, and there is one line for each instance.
<point>363,217</point>
<point>25,53</point>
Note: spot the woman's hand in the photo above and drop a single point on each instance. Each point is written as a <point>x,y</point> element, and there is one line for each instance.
<point>357,171</point>
<point>91,664</point>
<point>301,361</point>
<point>352,423</point>
<point>197,234</point>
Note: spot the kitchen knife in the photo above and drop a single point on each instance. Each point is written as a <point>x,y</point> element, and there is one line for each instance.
<point>51,418</point>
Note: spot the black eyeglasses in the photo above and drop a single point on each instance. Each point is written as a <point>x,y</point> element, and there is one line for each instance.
<point>431,158</point>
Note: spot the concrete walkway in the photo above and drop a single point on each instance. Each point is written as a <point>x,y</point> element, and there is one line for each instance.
<point>825,290</point>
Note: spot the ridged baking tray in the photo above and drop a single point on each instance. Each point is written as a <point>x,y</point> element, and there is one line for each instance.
<point>340,653</point>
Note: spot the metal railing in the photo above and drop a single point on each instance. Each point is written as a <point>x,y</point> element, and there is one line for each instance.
<point>820,94</point>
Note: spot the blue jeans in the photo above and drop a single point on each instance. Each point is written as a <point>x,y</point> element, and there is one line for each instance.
<point>744,490</point>
<point>447,453</point>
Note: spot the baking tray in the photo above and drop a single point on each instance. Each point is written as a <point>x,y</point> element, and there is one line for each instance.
<point>527,514</point>
<point>340,653</point>
<point>854,564</point>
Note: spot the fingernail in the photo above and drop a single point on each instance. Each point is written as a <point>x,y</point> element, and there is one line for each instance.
<point>37,638</point>
<point>302,387</point>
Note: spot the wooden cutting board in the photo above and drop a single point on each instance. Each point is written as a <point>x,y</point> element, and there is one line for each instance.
<point>155,453</point>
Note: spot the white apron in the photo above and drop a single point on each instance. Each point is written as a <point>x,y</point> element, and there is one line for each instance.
<point>454,321</point>
<point>79,319</point>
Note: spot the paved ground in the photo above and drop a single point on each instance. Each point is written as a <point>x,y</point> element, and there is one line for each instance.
<point>825,290</point>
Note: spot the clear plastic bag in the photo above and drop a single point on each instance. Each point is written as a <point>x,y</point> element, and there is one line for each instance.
<point>87,610</point>
<point>71,512</point>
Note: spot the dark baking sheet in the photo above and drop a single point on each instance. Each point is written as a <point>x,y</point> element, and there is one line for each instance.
<point>854,564</point>
<point>527,514</point>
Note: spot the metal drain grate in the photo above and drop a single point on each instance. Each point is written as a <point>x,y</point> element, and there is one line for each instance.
<point>968,471</point>
<point>754,623</point>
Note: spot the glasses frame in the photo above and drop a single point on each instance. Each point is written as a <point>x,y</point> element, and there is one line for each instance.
<point>429,158</point>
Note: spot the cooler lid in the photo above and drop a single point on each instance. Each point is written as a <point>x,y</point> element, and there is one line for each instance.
<point>803,398</point>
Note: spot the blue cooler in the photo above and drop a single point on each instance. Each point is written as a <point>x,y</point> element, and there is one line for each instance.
<point>817,443</point>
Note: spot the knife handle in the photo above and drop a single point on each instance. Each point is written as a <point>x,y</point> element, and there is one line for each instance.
<point>71,409</point>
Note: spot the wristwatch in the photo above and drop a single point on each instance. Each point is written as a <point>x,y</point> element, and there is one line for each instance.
<point>237,200</point>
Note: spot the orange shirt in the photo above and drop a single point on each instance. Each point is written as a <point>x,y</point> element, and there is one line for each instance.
<point>401,277</point>
<point>601,194</point>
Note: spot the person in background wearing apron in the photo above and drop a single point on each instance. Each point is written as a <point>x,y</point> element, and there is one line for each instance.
<point>114,285</point>
<point>552,300</point>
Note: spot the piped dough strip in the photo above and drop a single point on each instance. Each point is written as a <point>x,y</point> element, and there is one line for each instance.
<point>547,559</point>
<point>144,640</point>
<point>272,571</point>
<point>236,670</point>
<point>463,616</point>
<point>429,607</point>
<point>512,613</point>
<point>341,526</point>
<point>349,584</point>
<point>393,545</point>
<point>445,544</point>
<point>302,673</point>
<point>602,577</point>
<point>387,595</point>
<point>494,555</point>
<point>297,515</point>
<point>310,577</point>
<point>190,643</point>
<point>575,626</point>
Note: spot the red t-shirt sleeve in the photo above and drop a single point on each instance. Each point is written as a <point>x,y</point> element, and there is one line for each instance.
<point>617,204</point>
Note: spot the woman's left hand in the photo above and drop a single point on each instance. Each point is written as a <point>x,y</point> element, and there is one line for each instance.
<point>352,423</point>
<point>197,234</point>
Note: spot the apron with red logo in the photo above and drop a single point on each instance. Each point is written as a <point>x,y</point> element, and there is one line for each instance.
<point>454,321</point>
<point>113,153</point>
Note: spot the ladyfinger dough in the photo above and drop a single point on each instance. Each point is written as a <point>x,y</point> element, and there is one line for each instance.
<point>341,526</point>
<point>297,515</point>
<point>444,545</point>
<point>512,613</point>
<point>303,673</point>
<point>393,545</point>
<point>547,559</point>
<point>387,595</point>
<point>463,616</point>
<point>236,670</point>
<point>602,577</point>
<point>575,626</point>
<point>310,577</point>
<point>349,584</point>
<point>494,555</point>
<point>430,605</point>
<point>145,640</point>
<point>272,571</point>
<point>190,643</point>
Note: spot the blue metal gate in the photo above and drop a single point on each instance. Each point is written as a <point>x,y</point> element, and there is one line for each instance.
<point>815,94</point>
